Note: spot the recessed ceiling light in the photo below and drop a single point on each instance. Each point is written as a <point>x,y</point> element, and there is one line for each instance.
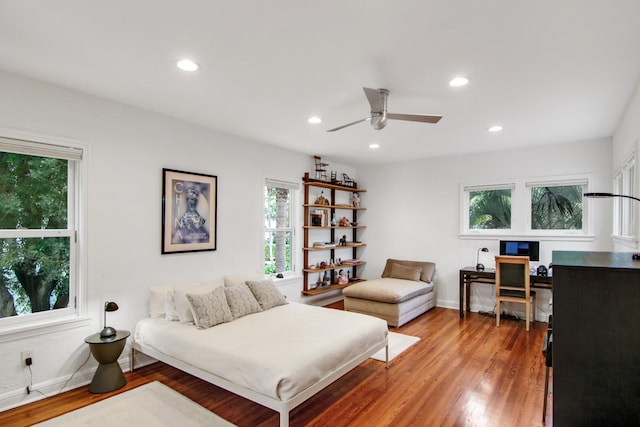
<point>458,81</point>
<point>314,120</point>
<point>496,128</point>
<point>374,146</point>
<point>187,65</point>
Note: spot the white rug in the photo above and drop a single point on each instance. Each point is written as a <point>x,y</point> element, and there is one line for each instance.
<point>152,404</point>
<point>397,344</point>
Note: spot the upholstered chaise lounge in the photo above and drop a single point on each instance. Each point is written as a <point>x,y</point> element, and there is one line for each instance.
<point>405,291</point>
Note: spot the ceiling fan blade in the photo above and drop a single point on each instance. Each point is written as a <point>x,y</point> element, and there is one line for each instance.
<point>414,118</point>
<point>349,124</point>
<point>375,99</point>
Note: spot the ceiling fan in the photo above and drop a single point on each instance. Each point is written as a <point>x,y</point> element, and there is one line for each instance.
<point>378,101</point>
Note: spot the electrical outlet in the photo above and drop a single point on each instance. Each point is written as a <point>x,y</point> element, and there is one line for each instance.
<point>27,355</point>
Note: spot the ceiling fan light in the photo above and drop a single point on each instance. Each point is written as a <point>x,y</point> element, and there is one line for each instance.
<point>314,120</point>
<point>496,128</point>
<point>374,146</point>
<point>459,81</point>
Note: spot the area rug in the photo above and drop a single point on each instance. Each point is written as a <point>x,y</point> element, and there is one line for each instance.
<point>397,344</point>
<point>152,404</point>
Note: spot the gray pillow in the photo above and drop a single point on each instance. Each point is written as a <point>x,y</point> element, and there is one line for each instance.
<point>209,309</point>
<point>241,301</point>
<point>266,293</point>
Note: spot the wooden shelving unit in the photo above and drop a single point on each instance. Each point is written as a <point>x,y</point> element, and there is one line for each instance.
<point>330,234</point>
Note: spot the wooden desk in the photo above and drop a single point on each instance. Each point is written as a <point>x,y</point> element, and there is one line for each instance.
<point>470,275</point>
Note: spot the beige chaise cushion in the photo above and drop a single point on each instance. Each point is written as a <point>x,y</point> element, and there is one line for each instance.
<point>387,290</point>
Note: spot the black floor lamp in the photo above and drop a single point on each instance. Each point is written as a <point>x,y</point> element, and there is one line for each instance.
<point>602,195</point>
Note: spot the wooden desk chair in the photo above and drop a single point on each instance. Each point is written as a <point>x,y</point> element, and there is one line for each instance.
<point>513,285</point>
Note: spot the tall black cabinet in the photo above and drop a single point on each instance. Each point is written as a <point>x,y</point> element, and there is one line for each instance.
<point>596,339</point>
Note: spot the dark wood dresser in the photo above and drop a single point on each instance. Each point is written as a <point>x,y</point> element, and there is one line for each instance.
<point>596,339</point>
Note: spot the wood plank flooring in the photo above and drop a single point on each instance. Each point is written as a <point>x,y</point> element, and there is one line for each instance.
<point>463,372</point>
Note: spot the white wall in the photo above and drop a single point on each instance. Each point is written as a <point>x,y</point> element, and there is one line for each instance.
<point>128,148</point>
<point>626,139</point>
<point>413,208</point>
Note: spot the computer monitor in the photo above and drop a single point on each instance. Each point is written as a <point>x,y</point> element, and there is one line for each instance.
<point>521,248</point>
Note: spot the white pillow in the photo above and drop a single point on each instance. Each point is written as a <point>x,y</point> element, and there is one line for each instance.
<point>170,308</point>
<point>240,279</point>
<point>157,297</point>
<point>180,297</point>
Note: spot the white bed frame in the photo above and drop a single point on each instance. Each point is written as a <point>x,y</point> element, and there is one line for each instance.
<point>281,406</point>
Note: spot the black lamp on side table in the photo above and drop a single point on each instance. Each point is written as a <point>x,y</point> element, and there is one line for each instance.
<point>479,266</point>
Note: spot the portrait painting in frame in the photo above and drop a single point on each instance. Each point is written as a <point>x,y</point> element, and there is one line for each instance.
<point>189,205</point>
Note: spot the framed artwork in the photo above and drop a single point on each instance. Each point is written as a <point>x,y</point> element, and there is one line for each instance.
<point>189,211</point>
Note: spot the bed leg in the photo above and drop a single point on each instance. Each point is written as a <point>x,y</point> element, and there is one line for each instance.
<point>284,419</point>
<point>132,360</point>
<point>387,354</point>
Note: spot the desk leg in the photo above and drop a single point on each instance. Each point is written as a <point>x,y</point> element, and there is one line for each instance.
<point>461,292</point>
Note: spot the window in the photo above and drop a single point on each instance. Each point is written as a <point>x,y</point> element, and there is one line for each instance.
<point>487,207</point>
<point>279,227</point>
<point>525,207</point>
<point>490,209</point>
<point>556,207</point>
<point>38,231</point>
<point>623,208</point>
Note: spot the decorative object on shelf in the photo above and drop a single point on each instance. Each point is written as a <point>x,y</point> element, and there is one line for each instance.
<point>353,223</point>
<point>480,267</point>
<point>189,206</point>
<point>636,255</point>
<point>316,219</point>
<point>348,182</point>
<point>344,222</point>
<point>108,331</point>
<point>321,200</point>
<point>333,221</point>
<point>343,240</point>
<point>355,200</point>
<point>343,279</point>
<point>321,168</point>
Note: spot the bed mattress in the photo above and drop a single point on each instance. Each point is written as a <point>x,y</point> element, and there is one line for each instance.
<point>278,352</point>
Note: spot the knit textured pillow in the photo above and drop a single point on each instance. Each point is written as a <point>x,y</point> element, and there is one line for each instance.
<point>210,309</point>
<point>241,301</point>
<point>266,293</point>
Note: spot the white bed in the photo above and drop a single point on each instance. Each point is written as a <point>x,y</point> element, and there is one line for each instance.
<point>278,357</point>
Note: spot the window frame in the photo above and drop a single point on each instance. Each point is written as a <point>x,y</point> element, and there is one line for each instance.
<point>18,327</point>
<point>558,182</point>
<point>465,198</point>
<point>293,223</point>
<point>624,209</point>
<point>521,208</point>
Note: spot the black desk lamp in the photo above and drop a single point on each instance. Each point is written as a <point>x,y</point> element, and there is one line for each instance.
<point>480,267</point>
<point>108,331</point>
<point>602,195</point>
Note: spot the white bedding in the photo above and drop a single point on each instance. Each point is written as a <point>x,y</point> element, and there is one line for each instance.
<point>278,352</point>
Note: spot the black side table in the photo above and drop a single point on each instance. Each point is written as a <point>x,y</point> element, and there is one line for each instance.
<point>108,376</point>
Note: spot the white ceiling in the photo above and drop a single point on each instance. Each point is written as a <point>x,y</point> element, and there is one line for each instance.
<point>549,71</point>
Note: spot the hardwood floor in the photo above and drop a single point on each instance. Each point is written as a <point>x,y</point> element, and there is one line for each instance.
<point>463,372</point>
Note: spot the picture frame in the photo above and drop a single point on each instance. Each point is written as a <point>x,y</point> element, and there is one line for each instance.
<point>189,211</point>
